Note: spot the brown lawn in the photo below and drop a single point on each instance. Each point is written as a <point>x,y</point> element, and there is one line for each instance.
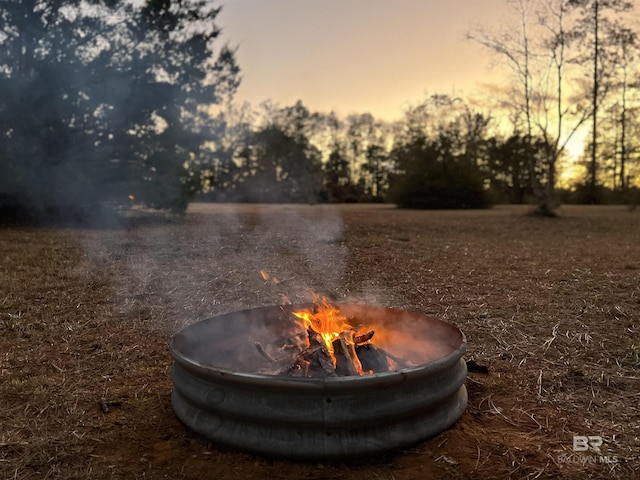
<point>550,306</point>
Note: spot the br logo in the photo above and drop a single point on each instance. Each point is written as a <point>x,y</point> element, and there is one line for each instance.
<point>582,443</point>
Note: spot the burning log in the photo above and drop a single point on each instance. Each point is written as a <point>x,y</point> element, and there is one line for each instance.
<point>352,355</point>
<point>328,345</point>
<point>360,339</point>
<point>373,359</point>
<point>319,359</point>
<point>313,361</point>
<point>350,359</point>
<point>347,361</point>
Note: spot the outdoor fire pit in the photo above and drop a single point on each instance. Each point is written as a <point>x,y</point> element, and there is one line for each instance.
<point>253,380</point>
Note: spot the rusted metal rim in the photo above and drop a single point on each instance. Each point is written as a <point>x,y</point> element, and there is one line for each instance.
<point>314,418</point>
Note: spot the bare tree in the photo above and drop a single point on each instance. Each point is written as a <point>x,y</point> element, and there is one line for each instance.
<point>622,107</point>
<point>597,30</point>
<point>628,54</point>
<point>536,48</point>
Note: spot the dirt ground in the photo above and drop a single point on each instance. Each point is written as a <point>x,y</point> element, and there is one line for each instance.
<point>550,306</point>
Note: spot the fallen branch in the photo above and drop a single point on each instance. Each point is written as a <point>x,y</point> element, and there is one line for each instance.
<point>263,352</point>
<point>105,404</point>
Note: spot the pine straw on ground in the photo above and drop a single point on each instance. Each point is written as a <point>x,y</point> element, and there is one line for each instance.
<point>550,306</point>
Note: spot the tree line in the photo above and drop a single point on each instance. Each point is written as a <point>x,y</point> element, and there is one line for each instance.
<point>105,101</point>
<point>440,155</point>
<point>105,104</point>
<point>573,65</point>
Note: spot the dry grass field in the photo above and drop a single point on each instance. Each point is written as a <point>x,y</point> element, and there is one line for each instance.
<point>550,306</point>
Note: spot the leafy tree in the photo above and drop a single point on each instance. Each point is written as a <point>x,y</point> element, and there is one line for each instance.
<point>432,174</point>
<point>217,169</point>
<point>338,176</point>
<point>509,168</point>
<point>440,156</point>
<point>105,100</point>
<point>277,167</point>
<point>376,171</point>
<point>365,136</point>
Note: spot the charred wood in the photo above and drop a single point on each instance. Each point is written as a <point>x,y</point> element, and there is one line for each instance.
<point>373,359</point>
<point>364,338</point>
<point>263,352</point>
<point>344,361</point>
<point>398,362</point>
<point>354,355</point>
<point>313,361</point>
<point>347,362</point>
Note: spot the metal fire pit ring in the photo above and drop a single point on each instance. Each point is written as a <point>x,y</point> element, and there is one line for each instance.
<point>219,397</point>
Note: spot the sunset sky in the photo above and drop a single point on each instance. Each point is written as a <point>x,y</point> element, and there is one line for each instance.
<point>356,56</point>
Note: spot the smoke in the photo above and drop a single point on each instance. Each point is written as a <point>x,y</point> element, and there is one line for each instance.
<point>87,120</point>
<point>302,246</point>
<point>209,263</point>
<point>167,276</point>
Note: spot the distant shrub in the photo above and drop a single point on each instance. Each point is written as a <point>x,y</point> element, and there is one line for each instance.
<point>430,175</point>
<point>582,194</point>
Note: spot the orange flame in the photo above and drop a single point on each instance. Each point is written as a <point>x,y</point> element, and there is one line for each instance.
<point>132,198</point>
<point>329,323</point>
